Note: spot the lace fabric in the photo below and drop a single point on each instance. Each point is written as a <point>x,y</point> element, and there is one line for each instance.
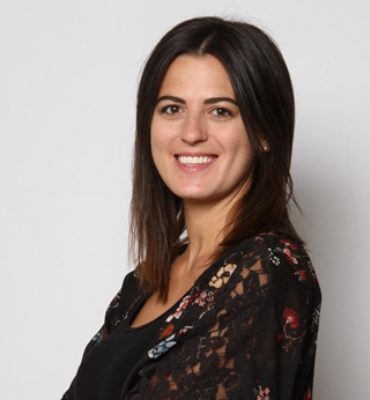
<point>246,330</point>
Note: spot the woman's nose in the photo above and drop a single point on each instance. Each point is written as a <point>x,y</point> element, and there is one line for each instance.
<point>194,129</point>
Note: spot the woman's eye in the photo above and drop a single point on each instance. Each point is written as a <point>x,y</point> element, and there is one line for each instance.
<point>221,112</point>
<point>170,109</point>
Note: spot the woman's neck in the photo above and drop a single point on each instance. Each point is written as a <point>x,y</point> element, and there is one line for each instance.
<point>206,226</point>
<point>207,223</point>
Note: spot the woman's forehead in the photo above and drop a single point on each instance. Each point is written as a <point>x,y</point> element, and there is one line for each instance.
<point>196,76</point>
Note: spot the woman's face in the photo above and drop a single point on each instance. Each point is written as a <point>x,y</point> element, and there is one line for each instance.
<point>199,143</point>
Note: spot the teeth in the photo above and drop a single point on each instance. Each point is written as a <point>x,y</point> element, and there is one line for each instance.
<point>194,160</point>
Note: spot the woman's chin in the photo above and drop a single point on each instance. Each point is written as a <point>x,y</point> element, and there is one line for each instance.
<point>200,197</point>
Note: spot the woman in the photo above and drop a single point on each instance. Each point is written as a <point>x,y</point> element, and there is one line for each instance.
<point>224,302</point>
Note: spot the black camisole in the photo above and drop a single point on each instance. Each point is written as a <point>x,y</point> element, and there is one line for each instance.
<point>103,372</point>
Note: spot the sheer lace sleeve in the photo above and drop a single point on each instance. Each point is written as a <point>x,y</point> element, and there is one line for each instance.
<point>255,339</point>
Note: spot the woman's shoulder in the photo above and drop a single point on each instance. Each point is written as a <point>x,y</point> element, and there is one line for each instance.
<point>275,243</point>
<point>128,291</point>
<point>278,255</point>
<point>130,285</point>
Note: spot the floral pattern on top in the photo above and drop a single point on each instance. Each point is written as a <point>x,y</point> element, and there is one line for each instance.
<point>263,393</point>
<point>162,347</point>
<point>247,330</point>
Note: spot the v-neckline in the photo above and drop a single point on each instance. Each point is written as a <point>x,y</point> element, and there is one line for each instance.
<point>208,271</point>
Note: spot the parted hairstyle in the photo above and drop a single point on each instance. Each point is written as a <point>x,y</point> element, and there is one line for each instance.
<point>264,94</point>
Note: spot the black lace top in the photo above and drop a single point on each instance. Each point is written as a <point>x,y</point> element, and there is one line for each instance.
<point>247,330</point>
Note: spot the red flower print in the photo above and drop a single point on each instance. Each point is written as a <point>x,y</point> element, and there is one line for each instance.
<point>204,297</point>
<point>115,302</point>
<point>182,306</point>
<point>302,276</point>
<point>289,244</point>
<point>263,394</point>
<point>308,395</point>
<point>289,256</point>
<point>167,331</point>
<point>291,318</point>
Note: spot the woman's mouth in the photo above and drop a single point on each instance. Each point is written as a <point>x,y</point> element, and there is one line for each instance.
<point>195,159</point>
<point>195,163</point>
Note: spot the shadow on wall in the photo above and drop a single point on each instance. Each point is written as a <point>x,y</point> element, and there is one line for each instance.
<point>326,224</point>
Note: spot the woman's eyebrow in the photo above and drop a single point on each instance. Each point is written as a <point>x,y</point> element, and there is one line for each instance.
<point>211,100</point>
<point>214,100</point>
<point>172,98</point>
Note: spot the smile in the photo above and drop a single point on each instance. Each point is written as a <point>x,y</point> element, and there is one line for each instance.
<point>195,160</point>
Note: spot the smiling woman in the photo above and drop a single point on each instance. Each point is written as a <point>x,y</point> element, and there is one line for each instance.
<point>223,302</point>
<point>199,143</point>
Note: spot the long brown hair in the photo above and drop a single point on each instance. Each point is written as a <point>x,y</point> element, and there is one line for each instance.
<point>264,94</point>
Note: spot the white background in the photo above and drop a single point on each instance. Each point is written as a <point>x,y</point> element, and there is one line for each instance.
<point>68,76</point>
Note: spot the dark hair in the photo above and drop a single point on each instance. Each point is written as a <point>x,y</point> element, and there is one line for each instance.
<point>263,90</point>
